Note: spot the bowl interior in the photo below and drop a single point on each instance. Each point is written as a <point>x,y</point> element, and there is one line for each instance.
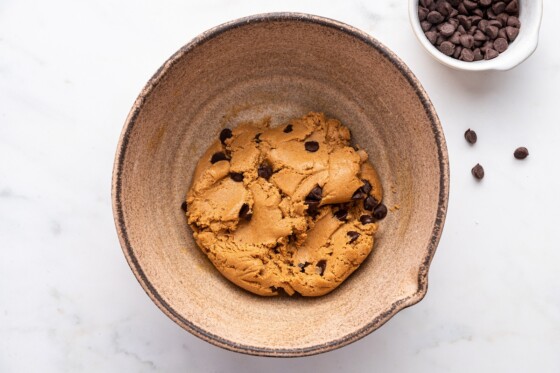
<point>281,66</point>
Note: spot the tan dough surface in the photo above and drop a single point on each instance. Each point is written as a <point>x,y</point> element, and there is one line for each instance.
<point>283,240</point>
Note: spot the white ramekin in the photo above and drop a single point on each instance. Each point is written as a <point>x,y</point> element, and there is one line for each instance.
<point>522,48</point>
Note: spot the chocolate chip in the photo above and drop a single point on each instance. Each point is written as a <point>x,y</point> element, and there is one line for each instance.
<point>501,45</point>
<point>312,208</point>
<point>496,23</point>
<point>369,203</point>
<point>512,7</point>
<point>434,17</point>
<point>432,36</point>
<point>513,22</point>
<point>491,54</point>
<point>477,54</point>
<point>289,128</point>
<point>521,153</point>
<point>447,48</point>
<point>485,2</point>
<point>235,176</point>
<point>478,172</point>
<point>321,266</point>
<point>380,212</point>
<point>456,38</point>
<point>482,25</point>
<point>502,34</point>
<point>447,29</point>
<point>426,26</point>
<point>265,170</point>
<point>353,236</point>
<point>315,195</point>
<point>258,138</point>
<point>366,188</point>
<point>470,136</point>
<point>225,134</point>
<point>467,41</point>
<point>184,206</point>
<point>341,214</point>
<point>302,266</point>
<point>422,13</point>
<point>366,219</point>
<point>470,5</point>
<point>479,36</point>
<point>492,32</point>
<point>512,33</point>
<point>467,55</point>
<point>244,212</point>
<point>219,156</point>
<point>311,146</point>
<point>358,194</point>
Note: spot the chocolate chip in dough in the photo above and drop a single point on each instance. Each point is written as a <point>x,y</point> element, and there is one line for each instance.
<point>265,170</point>
<point>470,136</point>
<point>380,212</point>
<point>321,266</point>
<point>358,194</point>
<point>219,156</point>
<point>184,206</point>
<point>236,176</point>
<point>302,266</point>
<point>353,236</point>
<point>315,195</point>
<point>258,138</point>
<point>521,153</point>
<point>225,134</point>
<point>478,172</point>
<point>311,146</point>
<point>366,188</point>
<point>289,128</point>
<point>366,219</point>
<point>341,214</point>
<point>244,212</point>
<point>370,203</point>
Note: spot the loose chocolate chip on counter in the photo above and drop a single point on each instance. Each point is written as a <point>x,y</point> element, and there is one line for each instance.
<point>235,176</point>
<point>184,206</point>
<point>265,171</point>
<point>225,134</point>
<point>370,203</point>
<point>219,156</point>
<point>315,195</point>
<point>521,153</point>
<point>470,136</point>
<point>341,214</point>
<point>289,128</point>
<point>244,212</point>
<point>311,146</point>
<point>380,212</point>
<point>321,266</point>
<point>352,235</point>
<point>478,172</point>
<point>366,219</point>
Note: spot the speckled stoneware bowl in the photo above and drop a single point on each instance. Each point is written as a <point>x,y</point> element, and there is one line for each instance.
<point>281,65</point>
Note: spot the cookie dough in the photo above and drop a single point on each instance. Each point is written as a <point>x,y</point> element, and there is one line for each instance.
<point>289,209</point>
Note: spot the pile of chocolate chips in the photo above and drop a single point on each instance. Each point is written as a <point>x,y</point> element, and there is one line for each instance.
<point>470,30</point>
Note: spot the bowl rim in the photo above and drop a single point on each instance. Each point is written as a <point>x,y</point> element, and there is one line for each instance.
<point>522,52</point>
<point>443,197</point>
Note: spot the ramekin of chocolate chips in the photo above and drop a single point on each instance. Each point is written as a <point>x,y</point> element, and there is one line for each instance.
<point>467,34</point>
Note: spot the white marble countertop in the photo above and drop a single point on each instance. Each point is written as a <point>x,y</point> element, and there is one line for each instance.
<point>70,71</point>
